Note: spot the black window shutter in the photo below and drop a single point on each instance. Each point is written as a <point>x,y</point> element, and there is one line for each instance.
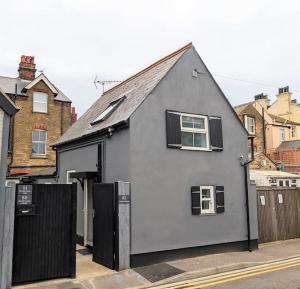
<point>195,197</point>
<point>216,136</point>
<point>220,200</point>
<point>173,129</point>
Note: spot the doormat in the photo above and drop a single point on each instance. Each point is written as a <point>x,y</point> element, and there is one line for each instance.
<point>85,251</point>
<point>157,272</point>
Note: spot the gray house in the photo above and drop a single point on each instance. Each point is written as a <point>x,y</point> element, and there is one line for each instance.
<point>7,110</point>
<point>169,131</point>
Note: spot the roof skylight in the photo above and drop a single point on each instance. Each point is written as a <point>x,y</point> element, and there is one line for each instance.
<point>108,111</point>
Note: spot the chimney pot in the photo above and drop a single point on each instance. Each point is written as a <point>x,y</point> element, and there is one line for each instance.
<point>260,96</point>
<point>27,68</point>
<point>283,89</point>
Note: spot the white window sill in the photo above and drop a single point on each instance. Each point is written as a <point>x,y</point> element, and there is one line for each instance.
<point>208,214</point>
<point>43,112</point>
<point>196,149</point>
<point>36,156</point>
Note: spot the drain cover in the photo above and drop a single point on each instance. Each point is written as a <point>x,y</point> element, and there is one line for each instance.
<point>157,272</point>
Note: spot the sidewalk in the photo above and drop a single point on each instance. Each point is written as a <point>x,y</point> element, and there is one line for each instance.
<point>179,270</point>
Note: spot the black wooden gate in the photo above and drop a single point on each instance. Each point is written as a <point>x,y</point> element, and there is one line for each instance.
<point>104,237</point>
<point>44,232</point>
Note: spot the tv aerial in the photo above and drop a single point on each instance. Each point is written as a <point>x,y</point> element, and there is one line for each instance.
<point>104,82</point>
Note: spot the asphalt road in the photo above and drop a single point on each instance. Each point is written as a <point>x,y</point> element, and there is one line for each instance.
<point>281,279</point>
<point>276,275</point>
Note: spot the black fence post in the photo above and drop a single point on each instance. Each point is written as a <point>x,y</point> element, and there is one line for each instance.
<point>73,230</point>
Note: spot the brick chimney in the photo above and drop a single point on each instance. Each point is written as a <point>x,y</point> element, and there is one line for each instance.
<point>284,93</point>
<point>27,68</point>
<point>263,100</point>
<point>73,115</point>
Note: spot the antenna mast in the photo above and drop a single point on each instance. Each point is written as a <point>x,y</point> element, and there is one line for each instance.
<point>104,82</point>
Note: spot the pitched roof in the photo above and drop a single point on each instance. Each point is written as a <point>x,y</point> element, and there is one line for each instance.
<point>8,85</point>
<point>291,145</point>
<point>274,174</point>
<point>241,107</point>
<point>135,89</point>
<point>282,120</point>
<point>38,79</point>
<point>7,104</point>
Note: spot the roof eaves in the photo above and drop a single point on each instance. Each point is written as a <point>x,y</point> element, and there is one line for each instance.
<point>39,78</point>
<point>7,104</point>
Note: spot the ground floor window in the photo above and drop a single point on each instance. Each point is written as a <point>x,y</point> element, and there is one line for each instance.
<point>207,200</point>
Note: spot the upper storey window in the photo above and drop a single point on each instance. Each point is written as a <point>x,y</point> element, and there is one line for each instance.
<point>250,124</point>
<point>40,102</point>
<point>194,131</point>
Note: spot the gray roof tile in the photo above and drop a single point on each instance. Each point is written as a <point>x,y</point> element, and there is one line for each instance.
<point>8,84</point>
<point>136,88</point>
<point>290,145</point>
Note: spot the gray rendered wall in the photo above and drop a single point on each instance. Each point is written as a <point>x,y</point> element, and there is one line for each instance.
<point>6,208</point>
<point>80,159</point>
<point>161,178</point>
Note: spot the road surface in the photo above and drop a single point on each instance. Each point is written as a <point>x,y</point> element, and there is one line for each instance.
<point>276,275</point>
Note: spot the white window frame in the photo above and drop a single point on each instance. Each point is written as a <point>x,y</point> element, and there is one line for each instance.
<point>211,209</point>
<point>68,176</point>
<point>196,130</point>
<point>248,125</point>
<point>40,102</point>
<point>282,134</point>
<point>284,182</point>
<point>293,131</point>
<point>38,142</point>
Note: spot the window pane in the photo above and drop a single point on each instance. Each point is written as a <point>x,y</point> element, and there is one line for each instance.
<point>35,135</point>
<point>205,205</point>
<point>200,140</point>
<point>42,135</point>
<point>187,139</point>
<point>40,97</point>
<point>34,148</point>
<point>205,193</point>
<point>187,121</point>
<point>199,123</point>
<point>39,107</point>
<point>41,148</point>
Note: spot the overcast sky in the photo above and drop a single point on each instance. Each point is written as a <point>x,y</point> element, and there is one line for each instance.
<point>75,40</point>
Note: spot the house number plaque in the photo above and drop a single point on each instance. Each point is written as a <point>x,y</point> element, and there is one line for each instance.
<point>24,196</point>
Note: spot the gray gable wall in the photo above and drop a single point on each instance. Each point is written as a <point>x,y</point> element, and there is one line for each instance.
<point>161,178</point>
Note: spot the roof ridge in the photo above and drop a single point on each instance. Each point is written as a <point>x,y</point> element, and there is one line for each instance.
<point>13,77</point>
<point>161,60</point>
<point>245,103</point>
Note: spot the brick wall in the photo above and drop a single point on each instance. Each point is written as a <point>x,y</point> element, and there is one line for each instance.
<point>258,139</point>
<point>287,157</point>
<point>26,120</point>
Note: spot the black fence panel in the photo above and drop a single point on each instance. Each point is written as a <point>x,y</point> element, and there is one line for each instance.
<point>44,232</point>
<point>104,225</point>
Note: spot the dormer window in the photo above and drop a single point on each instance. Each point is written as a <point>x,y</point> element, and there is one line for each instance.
<point>250,124</point>
<point>108,111</point>
<point>40,102</point>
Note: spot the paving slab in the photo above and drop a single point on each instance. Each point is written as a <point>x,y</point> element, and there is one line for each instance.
<point>93,276</point>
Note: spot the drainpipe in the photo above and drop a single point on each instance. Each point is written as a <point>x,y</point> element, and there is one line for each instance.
<point>264,131</point>
<point>245,165</point>
<point>61,118</point>
<point>12,129</point>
